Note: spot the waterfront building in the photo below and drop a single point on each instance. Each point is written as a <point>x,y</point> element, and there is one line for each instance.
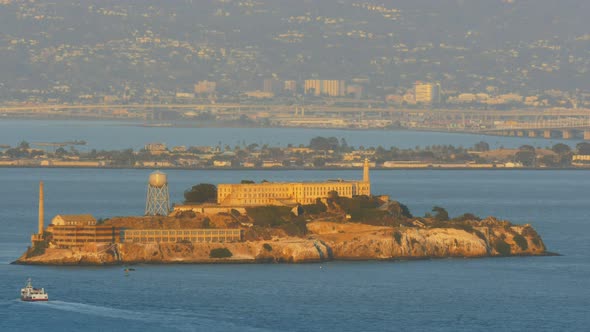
<point>291,193</point>
<point>69,231</point>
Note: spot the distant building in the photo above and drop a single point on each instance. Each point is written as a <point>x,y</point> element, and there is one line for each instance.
<point>313,87</point>
<point>355,91</point>
<point>332,88</point>
<point>290,86</point>
<point>205,87</point>
<point>259,94</point>
<point>155,147</point>
<point>290,193</point>
<point>272,85</point>
<point>222,163</point>
<point>185,95</point>
<point>427,93</point>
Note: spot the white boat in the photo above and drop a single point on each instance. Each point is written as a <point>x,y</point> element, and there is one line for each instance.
<point>31,294</point>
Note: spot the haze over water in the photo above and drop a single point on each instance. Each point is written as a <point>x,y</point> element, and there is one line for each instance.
<point>519,293</point>
<point>458,65</point>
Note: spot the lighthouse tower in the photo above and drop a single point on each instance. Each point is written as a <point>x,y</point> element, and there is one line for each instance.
<point>366,171</point>
<point>158,197</point>
<point>365,185</point>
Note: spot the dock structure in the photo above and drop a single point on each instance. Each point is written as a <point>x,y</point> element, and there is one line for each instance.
<point>182,235</point>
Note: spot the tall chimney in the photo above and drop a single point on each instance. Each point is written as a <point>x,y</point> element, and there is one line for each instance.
<point>366,171</point>
<point>41,208</point>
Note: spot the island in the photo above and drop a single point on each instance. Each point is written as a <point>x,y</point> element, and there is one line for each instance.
<point>269,222</point>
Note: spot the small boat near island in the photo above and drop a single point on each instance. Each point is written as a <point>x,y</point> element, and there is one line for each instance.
<point>127,270</point>
<point>31,294</point>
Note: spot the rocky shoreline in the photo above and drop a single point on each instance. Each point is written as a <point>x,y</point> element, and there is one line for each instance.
<point>324,241</point>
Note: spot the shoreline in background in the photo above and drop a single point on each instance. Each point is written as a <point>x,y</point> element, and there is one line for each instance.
<point>458,168</point>
<point>229,124</point>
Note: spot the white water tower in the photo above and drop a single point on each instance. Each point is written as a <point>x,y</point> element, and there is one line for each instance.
<point>158,197</point>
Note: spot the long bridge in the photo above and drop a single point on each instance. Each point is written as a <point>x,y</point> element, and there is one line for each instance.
<point>565,123</point>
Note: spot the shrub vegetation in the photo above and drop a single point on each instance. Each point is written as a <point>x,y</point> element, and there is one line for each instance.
<point>502,247</point>
<point>201,193</point>
<point>220,253</point>
<point>521,241</point>
<point>269,216</point>
<point>398,237</point>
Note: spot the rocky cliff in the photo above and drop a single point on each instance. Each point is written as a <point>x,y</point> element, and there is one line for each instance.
<point>325,241</point>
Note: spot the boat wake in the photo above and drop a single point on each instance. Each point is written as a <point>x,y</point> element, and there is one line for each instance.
<point>179,320</point>
<point>95,310</point>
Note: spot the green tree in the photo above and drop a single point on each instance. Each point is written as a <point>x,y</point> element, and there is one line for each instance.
<point>561,149</point>
<point>583,148</point>
<point>201,193</point>
<point>481,146</point>
<point>526,157</point>
<point>323,143</point>
<point>24,145</point>
<point>61,152</point>
<point>527,148</point>
<point>440,214</point>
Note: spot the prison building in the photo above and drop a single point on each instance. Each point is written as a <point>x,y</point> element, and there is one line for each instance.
<point>291,193</point>
<point>269,193</point>
<point>182,235</point>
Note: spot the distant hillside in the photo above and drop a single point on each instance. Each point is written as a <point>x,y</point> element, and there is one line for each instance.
<point>64,49</point>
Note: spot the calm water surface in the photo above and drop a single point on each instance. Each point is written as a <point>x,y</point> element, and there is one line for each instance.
<point>534,293</point>
<point>120,135</point>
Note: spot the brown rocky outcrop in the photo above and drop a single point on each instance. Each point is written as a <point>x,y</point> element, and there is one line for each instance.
<point>325,241</point>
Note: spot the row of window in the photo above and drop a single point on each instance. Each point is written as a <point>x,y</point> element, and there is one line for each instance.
<point>207,232</point>
<point>81,234</point>
<point>183,238</point>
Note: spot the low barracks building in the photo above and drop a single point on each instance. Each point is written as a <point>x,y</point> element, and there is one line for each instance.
<point>179,235</point>
<point>70,231</point>
<point>268,193</point>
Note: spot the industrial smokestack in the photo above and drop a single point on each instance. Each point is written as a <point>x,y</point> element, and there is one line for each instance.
<point>41,208</point>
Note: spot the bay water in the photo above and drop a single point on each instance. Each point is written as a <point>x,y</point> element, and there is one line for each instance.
<point>517,293</point>
<point>112,135</point>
